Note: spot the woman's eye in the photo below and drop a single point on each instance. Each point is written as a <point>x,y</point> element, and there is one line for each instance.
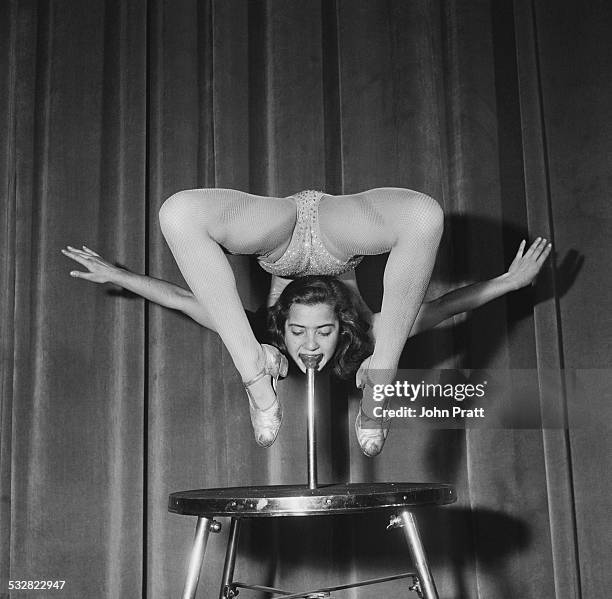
<point>296,333</point>
<point>325,333</point>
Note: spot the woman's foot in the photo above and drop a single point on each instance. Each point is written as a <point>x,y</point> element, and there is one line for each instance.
<point>264,406</point>
<point>371,432</point>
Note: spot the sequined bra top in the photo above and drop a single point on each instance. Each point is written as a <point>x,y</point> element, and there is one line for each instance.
<point>306,253</point>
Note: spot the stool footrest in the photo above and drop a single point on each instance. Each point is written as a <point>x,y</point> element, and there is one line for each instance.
<point>288,595</point>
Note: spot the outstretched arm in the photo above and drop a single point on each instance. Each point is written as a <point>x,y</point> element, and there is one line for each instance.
<point>155,290</point>
<point>523,271</point>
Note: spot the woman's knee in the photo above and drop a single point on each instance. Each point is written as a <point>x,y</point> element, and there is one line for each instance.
<point>420,209</point>
<point>185,209</point>
<point>431,212</point>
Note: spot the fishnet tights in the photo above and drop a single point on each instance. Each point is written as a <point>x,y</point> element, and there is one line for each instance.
<point>408,224</point>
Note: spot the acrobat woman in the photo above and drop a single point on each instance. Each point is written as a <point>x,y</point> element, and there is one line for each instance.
<point>319,237</point>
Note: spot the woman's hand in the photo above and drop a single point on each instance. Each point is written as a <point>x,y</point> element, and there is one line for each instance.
<point>525,267</point>
<point>100,271</point>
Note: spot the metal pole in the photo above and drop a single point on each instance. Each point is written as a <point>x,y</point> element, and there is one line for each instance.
<point>230,558</point>
<point>311,363</point>
<point>417,552</point>
<point>196,558</point>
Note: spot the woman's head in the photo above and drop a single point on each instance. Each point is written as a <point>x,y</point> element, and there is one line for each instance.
<point>319,315</point>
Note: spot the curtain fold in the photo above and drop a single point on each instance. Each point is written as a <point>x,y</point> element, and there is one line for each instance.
<point>575,88</point>
<point>109,404</point>
<point>73,403</point>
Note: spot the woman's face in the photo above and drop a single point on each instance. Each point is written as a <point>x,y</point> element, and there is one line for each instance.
<point>311,329</point>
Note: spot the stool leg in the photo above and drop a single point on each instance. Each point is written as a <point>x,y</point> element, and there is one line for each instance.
<point>230,557</point>
<point>418,556</point>
<point>196,558</point>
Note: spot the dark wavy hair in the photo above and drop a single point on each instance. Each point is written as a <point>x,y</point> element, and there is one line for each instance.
<point>354,341</point>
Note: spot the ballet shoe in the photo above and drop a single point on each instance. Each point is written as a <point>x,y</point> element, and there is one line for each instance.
<point>371,440</point>
<point>267,422</point>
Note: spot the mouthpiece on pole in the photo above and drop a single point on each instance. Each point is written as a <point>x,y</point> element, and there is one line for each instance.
<point>311,360</point>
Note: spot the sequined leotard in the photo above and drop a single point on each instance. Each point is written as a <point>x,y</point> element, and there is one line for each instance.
<point>306,253</point>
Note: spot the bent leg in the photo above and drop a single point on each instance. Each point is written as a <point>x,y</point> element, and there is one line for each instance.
<point>408,225</point>
<point>196,224</point>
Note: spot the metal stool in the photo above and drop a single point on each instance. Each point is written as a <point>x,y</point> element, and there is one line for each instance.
<point>300,500</point>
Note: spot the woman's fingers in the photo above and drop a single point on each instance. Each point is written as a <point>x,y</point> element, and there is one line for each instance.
<point>539,249</point>
<point>518,256</point>
<point>76,256</point>
<point>525,267</point>
<point>90,251</point>
<point>533,247</point>
<point>79,274</point>
<point>77,251</point>
<point>544,252</point>
<point>91,261</point>
<point>72,252</point>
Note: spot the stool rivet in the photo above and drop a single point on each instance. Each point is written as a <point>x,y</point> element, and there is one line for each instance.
<point>395,522</point>
<point>416,586</point>
<point>214,526</point>
<point>328,501</point>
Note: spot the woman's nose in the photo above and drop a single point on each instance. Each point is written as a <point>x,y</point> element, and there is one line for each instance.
<point>311,343</point>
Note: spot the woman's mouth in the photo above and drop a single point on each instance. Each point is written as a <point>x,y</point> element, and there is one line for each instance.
<point>311,360</point>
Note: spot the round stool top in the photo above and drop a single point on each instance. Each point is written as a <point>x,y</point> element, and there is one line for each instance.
<point>299,500</point>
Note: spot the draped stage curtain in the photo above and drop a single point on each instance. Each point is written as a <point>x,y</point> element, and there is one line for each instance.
<point>498,109</point>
